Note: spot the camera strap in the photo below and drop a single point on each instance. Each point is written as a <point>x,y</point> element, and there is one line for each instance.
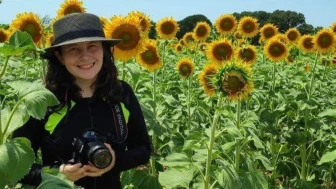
<point>120,123</point>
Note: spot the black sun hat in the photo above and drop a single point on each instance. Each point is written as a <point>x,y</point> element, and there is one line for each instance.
<point>76,28</point>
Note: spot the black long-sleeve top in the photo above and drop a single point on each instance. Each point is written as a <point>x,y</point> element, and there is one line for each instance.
<point>56,146</point>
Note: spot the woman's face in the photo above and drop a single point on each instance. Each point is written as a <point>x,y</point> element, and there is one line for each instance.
<point>83,60</point>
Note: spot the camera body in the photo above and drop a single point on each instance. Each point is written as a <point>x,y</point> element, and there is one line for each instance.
<point>90,148</point>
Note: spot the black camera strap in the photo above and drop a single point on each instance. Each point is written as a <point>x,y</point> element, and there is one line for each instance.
<point>120,123</point>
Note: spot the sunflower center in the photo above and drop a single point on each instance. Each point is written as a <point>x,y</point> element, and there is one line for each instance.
<point>185,70</point>
<point>72,9</point>
<point>247,55</point>
<point>2,37</point>
<point>167,28</point>
<point>149,56</point>
<point>233,84</point>
<point>269,33</point>
<point>226,24</point>
<point>143,24</point>
<point>292,36</point>
<point>276,49</point>
<point>201,31</point>
<point>249,27</point>
<point>325,41</point>
<point>308,43</point>
<point>222,52</point>
<point>129,34</point>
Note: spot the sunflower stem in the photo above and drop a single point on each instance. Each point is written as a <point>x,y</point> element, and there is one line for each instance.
<point>273,152</point>
<point>152,161</point>
<point>211,142</point>
<point>123,71</point>
<point>189,116</point>
<point>330,174</point>
<point>4,67</point>
<point>238,147</point>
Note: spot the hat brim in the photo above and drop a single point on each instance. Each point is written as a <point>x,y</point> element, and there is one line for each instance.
<point>48,52</point>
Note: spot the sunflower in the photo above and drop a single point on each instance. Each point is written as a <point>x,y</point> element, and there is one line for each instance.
<point>185,67</point>
<point>144,21</point>
<point>248,26</point>
<point>282,37</point>
<point>128,30</point>
<point>188,38</point>
<point>237,35</point>
<point>202,31</point>
<point>70,6</point>
<point>289,59</point>
<point>30,23</point>
<point>275,50</point>
<point>203,46</point>
<point>324,41</point>
<point>293,35</point>
<point>206,78</point>
<point>333,27</point>
<point>247,54</point>
<point>181,42</point>
<point>167,28</point>
<point>268,31</point>
<point>219,51</point>
<point>234,80</point>
<point>306,43</point>
<point>49,39</point>
<point>3,35</point>
<point>149,57</point>
<point>178,47</point>
<point>226,24</point>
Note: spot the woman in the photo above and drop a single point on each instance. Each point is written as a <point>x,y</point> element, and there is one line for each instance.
<point>82,75</point>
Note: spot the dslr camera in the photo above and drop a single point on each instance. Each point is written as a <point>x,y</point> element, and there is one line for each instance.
<point>90,148</point>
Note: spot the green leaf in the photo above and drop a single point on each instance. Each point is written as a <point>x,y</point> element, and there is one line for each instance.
<point>51,181</point>
<point>328,157</point>
<point>173,178</point>
<point>176,159</point>
<point>228,177</point>
<point>139,179</point>
<point>21,39</point>
<point>16,158</point>
<point>328,113</point>
<point>254,180</point>
<point>19,118</point>
<point>36,97</point>
<point>266,163</point>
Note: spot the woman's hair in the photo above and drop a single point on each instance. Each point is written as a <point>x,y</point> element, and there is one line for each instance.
<point>60,82</point>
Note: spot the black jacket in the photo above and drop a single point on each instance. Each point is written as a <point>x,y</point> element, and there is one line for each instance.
<point>57,146</point>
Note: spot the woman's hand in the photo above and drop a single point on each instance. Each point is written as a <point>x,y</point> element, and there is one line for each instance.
<point>93,171</point>
<point>72,172</point>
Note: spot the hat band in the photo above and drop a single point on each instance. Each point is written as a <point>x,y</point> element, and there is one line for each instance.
<point>78,34</point>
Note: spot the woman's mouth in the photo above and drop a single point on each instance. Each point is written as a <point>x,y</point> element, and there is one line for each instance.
<point>86,66</point>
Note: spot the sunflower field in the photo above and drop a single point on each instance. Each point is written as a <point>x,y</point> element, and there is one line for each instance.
<point>221,113</point>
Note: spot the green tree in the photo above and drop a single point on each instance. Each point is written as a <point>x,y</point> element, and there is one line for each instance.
<point>286,19</point>
<point>189,23</point>
<point>306,29</point>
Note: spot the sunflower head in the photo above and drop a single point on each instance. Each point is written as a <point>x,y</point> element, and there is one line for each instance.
<point>324,41</point>
<point>185,67</point>
<point>206,78</point>
<point>144,21</point>
<point>293,35</point>
<point>203,46</point>
<point>248,26</point>
<point>167,28</point>
<point>188,38</point>
<point>237,35</point>
<point>226,24</point>
<point>219,51</point>
<point>333,27</point>
<point>202,31</point>
<point>30,23</point>
<point>247,54</point>
<point>49,39</point>
<point>268,31</point>
<point>148,56</point>
<point>69,7</point>
<point>289,59</point>
<point>234,80</point>
<point>275,50</point>
<point>4,36</point>
<point>128,30</point>
<point>306,43</point>
<point>178,47</point>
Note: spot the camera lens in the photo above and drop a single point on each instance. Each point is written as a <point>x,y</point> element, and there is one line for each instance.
<point>102,158</point>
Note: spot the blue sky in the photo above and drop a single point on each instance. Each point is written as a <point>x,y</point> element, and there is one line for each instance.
<point>317,12</point>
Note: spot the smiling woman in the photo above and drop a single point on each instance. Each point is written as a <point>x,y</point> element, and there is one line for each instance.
<point>96,109</point>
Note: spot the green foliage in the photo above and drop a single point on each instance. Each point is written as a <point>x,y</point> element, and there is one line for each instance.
<point>189,23</point>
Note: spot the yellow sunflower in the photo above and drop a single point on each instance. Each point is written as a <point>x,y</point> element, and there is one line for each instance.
<point>181,42</point>
<point>234,80</point>
<point>188,38</point>
<point>30,23</point>
<point>178,47</point>
<point>293,35</point>
<point>185,67</point>
<point>70,6</point>
<point>268,31</point>
<point>247,54</point>
<point>226,24</point>
<point>248,26</point>
<point>167,28</point>
<point>289,59</point>
<point>206,78</point>
<point>324,41</point>
<point>282,37</point>
<point>237,35</point>
<point>275,50</point>
<point>333,27</point>
<point>203,46</point>
<point>219,51</point>
<point>149,56</point>
<point>49,39</point>
<point>3,35</point>
<point>144,21</point>
<point>306,43</point>
<point>128,30</point>
<point>202,31</point>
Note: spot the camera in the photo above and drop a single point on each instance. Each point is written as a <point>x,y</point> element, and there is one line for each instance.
<point>90,148</point>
